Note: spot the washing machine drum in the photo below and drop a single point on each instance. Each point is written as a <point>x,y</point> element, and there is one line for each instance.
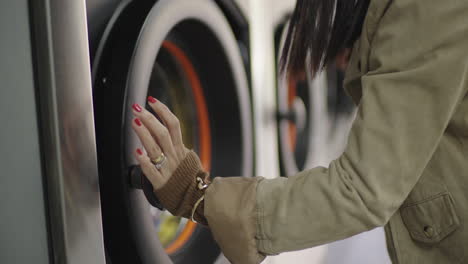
<point>184,54</point>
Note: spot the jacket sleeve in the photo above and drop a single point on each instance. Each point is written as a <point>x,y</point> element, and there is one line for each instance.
<point>417,77</point>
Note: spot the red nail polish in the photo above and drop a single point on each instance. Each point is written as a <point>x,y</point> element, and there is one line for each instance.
<point>139,152</point>
<point>137,107</point>
<point>152,100</point>
<point>138,122</point>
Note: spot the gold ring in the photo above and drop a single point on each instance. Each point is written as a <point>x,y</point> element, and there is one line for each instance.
<point>159,161</point>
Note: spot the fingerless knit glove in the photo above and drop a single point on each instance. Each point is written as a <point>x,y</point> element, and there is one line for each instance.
<point>181,191</point>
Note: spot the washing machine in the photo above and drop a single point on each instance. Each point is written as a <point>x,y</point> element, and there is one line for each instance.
<point>314,114</point>
<point>194,57</point>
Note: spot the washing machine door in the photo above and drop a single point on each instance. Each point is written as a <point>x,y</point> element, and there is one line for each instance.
<point>314,115</point>
<point>184,54</point>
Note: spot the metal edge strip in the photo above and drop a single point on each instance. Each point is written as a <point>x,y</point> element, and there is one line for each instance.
<point>63,83</point>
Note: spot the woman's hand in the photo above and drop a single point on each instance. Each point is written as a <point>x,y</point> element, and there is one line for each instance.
<point>158,139</point>
<point>174,171</point>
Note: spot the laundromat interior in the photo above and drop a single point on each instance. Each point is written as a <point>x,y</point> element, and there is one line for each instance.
<point>70,71</point>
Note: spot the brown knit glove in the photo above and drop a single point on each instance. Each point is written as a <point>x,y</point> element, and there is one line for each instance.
<point>181,191</point>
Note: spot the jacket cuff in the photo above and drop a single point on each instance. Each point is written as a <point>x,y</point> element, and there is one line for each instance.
<point>180,193</point>
<point>231,212</point>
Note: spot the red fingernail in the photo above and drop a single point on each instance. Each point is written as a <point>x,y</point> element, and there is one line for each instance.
<point>138,122</point>
<point>152,100</point>
<point>137,107</point>
<point>139,152</point>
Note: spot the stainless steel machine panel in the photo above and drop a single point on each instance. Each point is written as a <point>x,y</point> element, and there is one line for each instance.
<point>67,125</point>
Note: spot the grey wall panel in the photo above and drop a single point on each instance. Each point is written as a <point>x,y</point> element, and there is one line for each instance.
<point>23,234</point>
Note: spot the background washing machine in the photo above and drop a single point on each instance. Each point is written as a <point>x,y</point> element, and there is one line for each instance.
<point>314,119</point>
<point>314,114</point>
<point>193,56</point>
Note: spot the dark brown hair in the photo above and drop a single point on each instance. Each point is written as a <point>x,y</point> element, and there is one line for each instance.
<point>321,29</point>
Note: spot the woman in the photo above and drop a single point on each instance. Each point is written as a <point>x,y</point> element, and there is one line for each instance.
<point>405,163</point>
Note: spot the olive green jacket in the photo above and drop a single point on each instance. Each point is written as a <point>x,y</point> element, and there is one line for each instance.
<point>406,163</point>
